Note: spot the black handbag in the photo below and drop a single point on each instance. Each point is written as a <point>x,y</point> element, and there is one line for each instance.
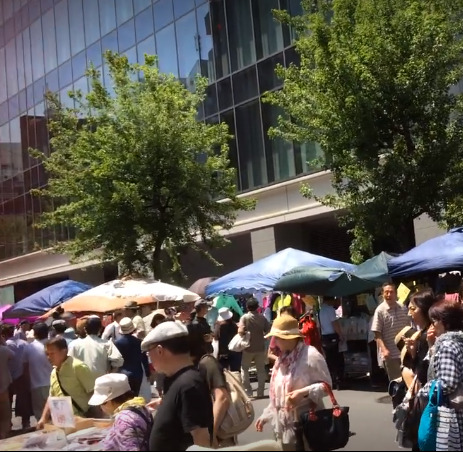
<point>326,429</point>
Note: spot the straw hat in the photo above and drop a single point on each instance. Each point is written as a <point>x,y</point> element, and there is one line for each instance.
<point>285,327</point>
<point>126,326</point>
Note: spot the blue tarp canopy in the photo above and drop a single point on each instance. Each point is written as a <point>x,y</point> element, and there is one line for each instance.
<point>440,253</point>
<point>334,282</point>
<point>46,299</point>
<point>263,274</point>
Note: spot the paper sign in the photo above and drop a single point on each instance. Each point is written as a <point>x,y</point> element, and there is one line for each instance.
<point>61,411</point>
<point>402,293</point>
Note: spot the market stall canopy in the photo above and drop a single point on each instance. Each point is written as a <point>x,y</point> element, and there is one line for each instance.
<point>438,254</point>
<point>42,301</point>
<point>199,286</point>
<point>263,274</point>
<point>114,294</point>
<point>335,282</point>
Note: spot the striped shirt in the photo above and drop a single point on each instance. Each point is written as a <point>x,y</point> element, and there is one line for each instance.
<point>389,321</point>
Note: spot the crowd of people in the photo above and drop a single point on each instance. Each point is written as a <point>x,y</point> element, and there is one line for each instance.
<point>108,372</point>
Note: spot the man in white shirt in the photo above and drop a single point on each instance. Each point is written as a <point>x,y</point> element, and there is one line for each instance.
<point>112,330</point>
<point>331,336</point>
<point>131,311</point>
<point>99,355</point>
<point>39,368</point>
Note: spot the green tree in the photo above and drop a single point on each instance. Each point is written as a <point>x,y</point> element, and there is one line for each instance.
<point>135,174</point>
<point>376,87</point>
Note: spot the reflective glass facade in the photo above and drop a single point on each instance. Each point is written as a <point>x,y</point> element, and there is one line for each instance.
<point>47,44</point>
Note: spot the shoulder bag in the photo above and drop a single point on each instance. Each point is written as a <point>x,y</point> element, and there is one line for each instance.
<point>326,429</point>
<point>427,431</point>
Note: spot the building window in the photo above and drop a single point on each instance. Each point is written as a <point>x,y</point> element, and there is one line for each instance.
<point>49,41</point>
<point>92,21</point>
<point>224,94</point>
<point>163,13</point>
<point>181,7</point>
<point>124,10</point>
<point>252,162</point>
<point>126,35</point>
<point>107,16</point>
<point>37,49</point>
<point>167,51</point>
<point>76,22</point>
<point>268,80</point>
<point>205,45</point>
<point>229,118</point>
<point>219,38</point>
<point>188,51</point>
<point>245,85</point>
<point>279,152</point>
<point>240,32</point>
<point>144,24</point>
<point>268,31</point>
<point>62,32</point>
<point>147,47</point>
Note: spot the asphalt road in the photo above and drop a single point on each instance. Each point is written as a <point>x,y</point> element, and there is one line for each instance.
<point>370,416</point>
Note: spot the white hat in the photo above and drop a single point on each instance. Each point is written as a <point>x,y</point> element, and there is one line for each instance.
<point>126,326</point>
<point>108,387</point>
<point>163,332</point>
<point>224,314</point>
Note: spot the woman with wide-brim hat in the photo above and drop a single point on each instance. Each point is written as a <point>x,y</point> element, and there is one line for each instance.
<point>295,381</point>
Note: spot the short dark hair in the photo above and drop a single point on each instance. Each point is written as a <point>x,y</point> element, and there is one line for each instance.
<point>388,283</point>
<point>60,328</point>
<point>252,304</point>
<point>57,342</point>
<point>424,299</point>
<point>8,330</point>
<point>40,331</point>
<point>123,398</point>
<point>94,325</point>
<point>157,319</point>
<point>177,345</point>
<point>450,313</point>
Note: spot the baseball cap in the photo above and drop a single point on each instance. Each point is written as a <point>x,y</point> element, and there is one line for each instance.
<point>163,332</point>
<point>108,387</point>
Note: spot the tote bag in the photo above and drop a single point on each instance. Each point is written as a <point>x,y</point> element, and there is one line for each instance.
<point>427,431</point>
<point>448,430</point>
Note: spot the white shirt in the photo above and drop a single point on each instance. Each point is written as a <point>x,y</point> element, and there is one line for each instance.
<point>111,332</point>
<point>327,317</point>
<point>39,366</point>
<point>99,355</point>
<point>17,346</point>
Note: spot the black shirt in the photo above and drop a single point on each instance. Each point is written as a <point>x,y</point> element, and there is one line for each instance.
<point>224,333</point>
<point>186,406</point>
<point>203,325</point>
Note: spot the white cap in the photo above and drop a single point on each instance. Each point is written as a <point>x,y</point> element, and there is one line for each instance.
<point>163,332</point>
<point>108,387</point>
<point>224,314</point>
<point>126,326</point>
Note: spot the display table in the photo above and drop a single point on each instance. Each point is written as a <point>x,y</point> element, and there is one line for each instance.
<point>87,436</point>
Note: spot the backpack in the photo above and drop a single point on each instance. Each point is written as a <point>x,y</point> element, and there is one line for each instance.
<point>240,413</point>
<point>311,333</point>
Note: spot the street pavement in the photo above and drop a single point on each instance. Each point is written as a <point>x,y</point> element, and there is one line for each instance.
<point>370,416</point>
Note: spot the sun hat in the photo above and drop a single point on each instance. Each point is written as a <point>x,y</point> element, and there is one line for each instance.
<point>108,387</point>
<point>131,305</point>
<point>163,332</point>
<point>224,314</point>
<point>191,298</point>
<point>126,326</point>
<point>285,327</point>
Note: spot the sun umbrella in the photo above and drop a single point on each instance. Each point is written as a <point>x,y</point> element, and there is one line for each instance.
<point>335,282</point>
<point>441,253</point>
<point>114,294</point>
<point>199,286</point>
<point>46,299</point>
<point>263,274</point>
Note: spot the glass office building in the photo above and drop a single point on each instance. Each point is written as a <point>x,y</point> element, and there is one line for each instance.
<point>47,45</point>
